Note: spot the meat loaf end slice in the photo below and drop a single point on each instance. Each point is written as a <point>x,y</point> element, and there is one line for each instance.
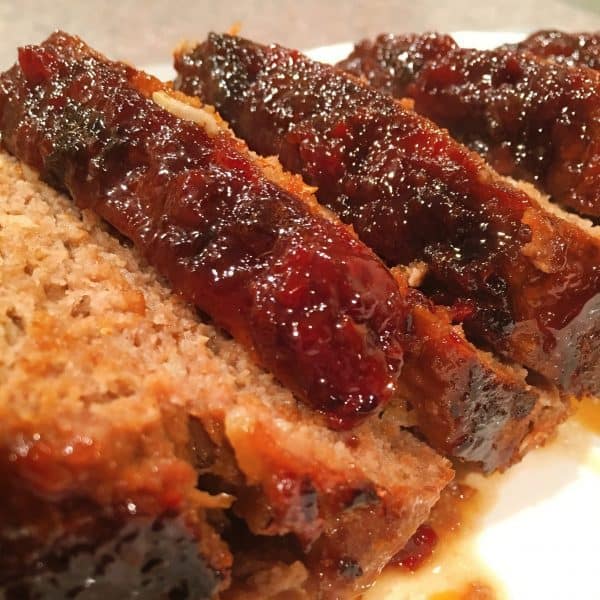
<point>131,426</point>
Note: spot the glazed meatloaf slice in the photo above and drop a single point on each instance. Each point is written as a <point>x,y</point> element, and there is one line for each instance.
<point>523,281</point>
<point>249,245</point>
<point>129,427</point>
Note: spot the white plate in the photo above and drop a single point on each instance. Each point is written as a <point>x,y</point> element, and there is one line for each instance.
<point>541,536</point>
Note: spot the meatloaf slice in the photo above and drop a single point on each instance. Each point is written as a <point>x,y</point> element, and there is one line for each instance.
<point>523,281</point>
<point>530,118</point>
<point>129,427</point>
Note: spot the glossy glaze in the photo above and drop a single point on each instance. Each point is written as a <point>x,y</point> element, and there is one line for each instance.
<point>519,277</point>
<point>573,49</point>
<point>313,303</point>
<point>531,119</point>
<point>418,549</point>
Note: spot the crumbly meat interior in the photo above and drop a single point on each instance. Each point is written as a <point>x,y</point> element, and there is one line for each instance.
<point>122,405</point>
<point>114,393</point>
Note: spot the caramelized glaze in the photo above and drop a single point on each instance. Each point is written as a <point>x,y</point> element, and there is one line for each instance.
<point>314,304</point>
<point>525,282</point>
<point>572,49</point>
<point>529,118</point>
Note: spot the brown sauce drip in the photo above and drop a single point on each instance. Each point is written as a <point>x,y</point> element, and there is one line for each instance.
<point>451,569</point>
<point>459,517</point>
<point>471,591</point>
<point>588,414</point>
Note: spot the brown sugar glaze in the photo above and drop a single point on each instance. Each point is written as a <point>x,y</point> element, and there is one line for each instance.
<point>572,49</point>
<point>529,118</point>
<point>522,281</point>
<point>315,305</point>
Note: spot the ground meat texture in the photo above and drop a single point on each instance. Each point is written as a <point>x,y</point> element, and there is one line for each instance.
<point>529,118</point>
<point>116,401</point>
<point>314,304</point>
<point>525,282</point>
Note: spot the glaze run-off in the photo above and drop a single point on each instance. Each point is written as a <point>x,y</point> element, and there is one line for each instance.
<point>418,549</point>
<point>524,282</point>
<point>314,304</point>
<point>531,119</point>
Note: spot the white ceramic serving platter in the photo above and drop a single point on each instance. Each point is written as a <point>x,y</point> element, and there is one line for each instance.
<point>540,536</point>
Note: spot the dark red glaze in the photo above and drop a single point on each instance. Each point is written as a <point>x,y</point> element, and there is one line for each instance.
<point>80,517</point>
<point>572,49</point>
<point>313,303</point>
<point>390,63</point>
<point>413,193</point>
<point>529,118</point>
<point>81,551</point>
<point>417,550</point>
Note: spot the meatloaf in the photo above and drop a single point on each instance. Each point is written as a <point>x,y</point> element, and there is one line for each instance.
<point>250,246</point>
<point>531,118</point>
<point>523,280</point>
<point>136,437</point>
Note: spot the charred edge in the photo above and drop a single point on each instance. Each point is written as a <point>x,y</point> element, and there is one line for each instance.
<point>153,559</point>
